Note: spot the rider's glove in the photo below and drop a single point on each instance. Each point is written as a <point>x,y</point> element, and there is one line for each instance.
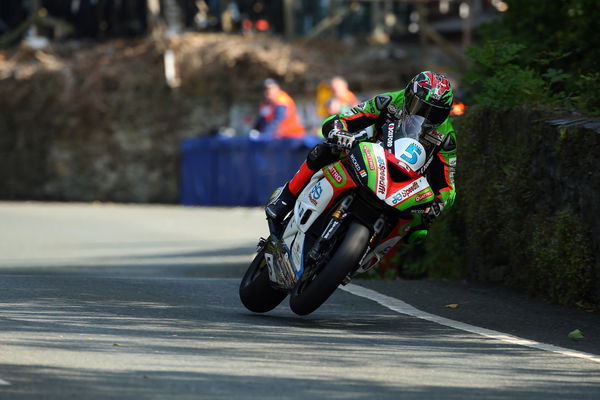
<point>341,138</point>
<point>433,211</point>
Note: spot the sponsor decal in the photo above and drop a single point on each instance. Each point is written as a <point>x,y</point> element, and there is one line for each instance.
<point>397,198</point>
<point>433,137</point>
<point>315,193</point>
<point>436,134</point>
<point>381,184</point>
<point>424,167</point>
<point>363,173</point>
<point>331,227</point>
<point>390,135</point>
<point>423,196</point>
<point>407,192</point>
<point>355,163</point>
<point>369,157</point>
<point>335,174</point>
<point>452,161</point>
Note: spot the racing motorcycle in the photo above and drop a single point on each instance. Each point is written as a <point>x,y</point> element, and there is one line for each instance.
<point>345,220</point>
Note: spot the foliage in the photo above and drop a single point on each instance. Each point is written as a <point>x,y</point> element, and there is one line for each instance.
<point>495,79</point>
<point>562,257</point>
<point>521,183</point>
<point>539,52</point>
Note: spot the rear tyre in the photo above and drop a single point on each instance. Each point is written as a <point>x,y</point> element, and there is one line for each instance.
<point>256,292</point>
<point>309,294</point>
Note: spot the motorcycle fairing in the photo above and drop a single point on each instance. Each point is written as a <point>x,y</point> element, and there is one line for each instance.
<point>410,194</point>
<point>311,203</point>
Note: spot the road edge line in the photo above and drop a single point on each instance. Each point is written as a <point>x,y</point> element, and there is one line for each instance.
<point>401,307</point>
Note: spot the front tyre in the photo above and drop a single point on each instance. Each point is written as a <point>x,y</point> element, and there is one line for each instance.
<point>309,294</point>
<point>256,292</point>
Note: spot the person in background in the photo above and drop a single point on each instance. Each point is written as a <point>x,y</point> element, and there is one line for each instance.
<point>334,97</point>
<point>277,117</point>
<point>342,98</point>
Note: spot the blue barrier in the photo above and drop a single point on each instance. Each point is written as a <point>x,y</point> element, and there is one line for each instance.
<point>219,171</point>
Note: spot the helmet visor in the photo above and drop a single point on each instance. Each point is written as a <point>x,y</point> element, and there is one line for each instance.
<point>415,106</point>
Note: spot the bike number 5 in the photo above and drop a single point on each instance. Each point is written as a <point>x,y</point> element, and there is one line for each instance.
<point>411,154</point>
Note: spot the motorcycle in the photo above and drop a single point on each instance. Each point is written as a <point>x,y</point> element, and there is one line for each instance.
<point>344,221</point>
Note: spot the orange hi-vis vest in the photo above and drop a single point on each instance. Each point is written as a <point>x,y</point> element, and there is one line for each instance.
<point>290,126</point>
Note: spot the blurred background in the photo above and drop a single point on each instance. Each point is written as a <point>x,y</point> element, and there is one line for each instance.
<point>157,101</point>
<point>98,95</point>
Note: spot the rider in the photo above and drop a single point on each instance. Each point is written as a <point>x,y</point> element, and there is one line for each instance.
<point>429,95</point>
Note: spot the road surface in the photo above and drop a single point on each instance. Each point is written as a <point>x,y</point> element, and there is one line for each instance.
<point>101,301</point>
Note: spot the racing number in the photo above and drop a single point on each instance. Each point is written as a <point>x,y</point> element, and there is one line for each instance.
<point>411,154</point>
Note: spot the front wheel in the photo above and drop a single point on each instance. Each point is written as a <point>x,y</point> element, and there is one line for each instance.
<point>309,294</point>
<point>256,292</point>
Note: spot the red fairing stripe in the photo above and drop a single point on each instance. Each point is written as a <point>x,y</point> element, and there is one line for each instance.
<point>446,172</point>
<point>403,166</point>
<point>361,115</point>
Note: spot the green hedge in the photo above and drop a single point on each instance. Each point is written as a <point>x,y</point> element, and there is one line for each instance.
<point>526,207</point>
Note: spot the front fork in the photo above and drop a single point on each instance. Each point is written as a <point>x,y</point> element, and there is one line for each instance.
<point>377,228</point>
<point>324,242</point>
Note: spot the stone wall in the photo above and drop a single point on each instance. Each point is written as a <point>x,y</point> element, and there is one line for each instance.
<point>528,204</point>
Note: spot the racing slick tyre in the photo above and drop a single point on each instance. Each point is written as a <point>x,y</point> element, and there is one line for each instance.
<point>310,293</point>
<point>256,292</point>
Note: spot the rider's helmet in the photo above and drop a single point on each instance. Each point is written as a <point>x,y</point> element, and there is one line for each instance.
<point>427,103</point>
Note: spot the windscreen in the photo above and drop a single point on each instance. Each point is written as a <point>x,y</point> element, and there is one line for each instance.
<point>412,126</point>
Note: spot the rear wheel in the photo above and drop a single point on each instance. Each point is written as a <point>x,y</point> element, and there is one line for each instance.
<point>309,294</point>
<point>256,292</point>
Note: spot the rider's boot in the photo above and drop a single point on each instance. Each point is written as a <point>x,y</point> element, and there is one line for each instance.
<point>281,203</point>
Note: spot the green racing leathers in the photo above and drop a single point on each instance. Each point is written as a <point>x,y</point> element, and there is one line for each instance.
<point>366,123</point>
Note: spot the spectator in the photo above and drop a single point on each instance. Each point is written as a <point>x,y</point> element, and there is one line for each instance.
<point>277,116</point>
<point>334,97</point>
<point>341,97</point>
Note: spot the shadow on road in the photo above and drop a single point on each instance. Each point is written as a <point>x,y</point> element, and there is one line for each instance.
<point>157,338</point>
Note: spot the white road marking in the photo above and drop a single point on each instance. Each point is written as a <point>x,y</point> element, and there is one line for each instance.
<point>403,308</point>
<point>4,383</point>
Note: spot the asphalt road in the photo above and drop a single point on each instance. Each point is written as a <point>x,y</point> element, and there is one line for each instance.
<point>140,302</point>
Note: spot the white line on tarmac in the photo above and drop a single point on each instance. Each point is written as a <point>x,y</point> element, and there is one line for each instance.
<point>403,308</point>
<point>4,383</point>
